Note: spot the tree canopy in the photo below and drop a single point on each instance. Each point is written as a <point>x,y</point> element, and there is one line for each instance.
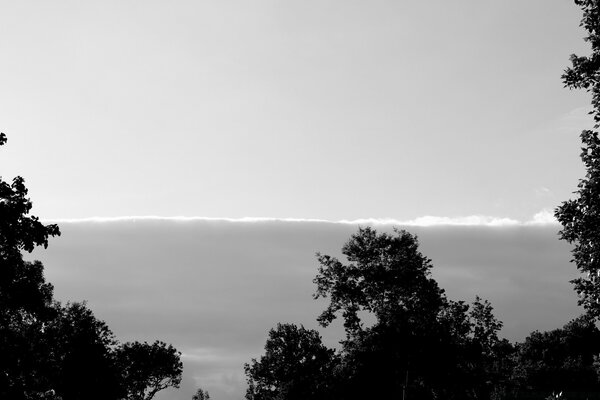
<point>580,217</point>
<point>296,366</point>
<point>54,351</point>
<point>403,336</point>
<point>560,360</point>
<point>201,394</point>
<point>386,276</point>
<point>148,368</point>
<point>26,299</point>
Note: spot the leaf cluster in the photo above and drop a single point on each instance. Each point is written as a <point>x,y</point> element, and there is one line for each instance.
<point>148,368</point>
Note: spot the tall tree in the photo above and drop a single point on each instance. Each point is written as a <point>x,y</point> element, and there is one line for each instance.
<point>51,351</point>
<point>25,296</point>
<point>296,366</point>
<point>580,217</point>
<point>148,368</point>
<point>386,276</point>
<point>417,341</point>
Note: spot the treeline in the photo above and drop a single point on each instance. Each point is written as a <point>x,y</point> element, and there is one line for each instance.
<point>50,350</point>
<point>418,344</point>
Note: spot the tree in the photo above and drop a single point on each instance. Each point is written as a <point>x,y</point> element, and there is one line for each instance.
<point>50,351</point>
<point>387,276</point>
<point>580,217</point>
<point>482,362</point>
<point>79,349</point>
<point>560,360</point>
<point>403,336</point>
<point>420,342</point>
<point>201,395</point>
<point>149,368</point>
<point>25,296</point>
<point>19,231</point>
<point>296,366</point>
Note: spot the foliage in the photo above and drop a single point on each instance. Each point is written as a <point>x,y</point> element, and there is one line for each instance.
<point>148,368</point>
<point>403,336</point>
<point>478,362</point>
<point>421,343</point>
<point>50,351</point>
<point>387,275</point>
<point>80,354</point>
<point>583,73</point>
<point>25,296</point>
<point>201,395</point>
<point>296,365</point>
<point>580,217</point>
<point>561,359</point>
<point>388,278</point>
<point>19,231</point>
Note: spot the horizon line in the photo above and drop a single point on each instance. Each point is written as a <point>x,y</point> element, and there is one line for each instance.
<point>544,217</point>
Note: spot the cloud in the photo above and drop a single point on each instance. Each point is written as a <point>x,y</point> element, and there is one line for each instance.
<point>543,191</point>
<point>544,217</point>
<point>141,218</point>
<point>471,220</point>
<point>428,220</point>
<point>575,120</point>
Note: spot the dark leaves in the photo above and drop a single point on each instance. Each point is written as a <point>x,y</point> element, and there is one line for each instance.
<point>148,368</point>
<point>580,217</point>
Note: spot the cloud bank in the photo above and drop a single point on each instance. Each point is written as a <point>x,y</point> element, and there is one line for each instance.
<point>544,217</point>
<point>213,288</point>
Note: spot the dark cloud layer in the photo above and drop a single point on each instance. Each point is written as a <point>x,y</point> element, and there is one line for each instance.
<point>214,288</point>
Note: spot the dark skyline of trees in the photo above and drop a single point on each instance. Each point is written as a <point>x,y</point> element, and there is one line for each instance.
<point>53,351</point>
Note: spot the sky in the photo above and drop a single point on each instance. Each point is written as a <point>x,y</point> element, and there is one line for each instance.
<point>246,136</point>
<point>299,109</point>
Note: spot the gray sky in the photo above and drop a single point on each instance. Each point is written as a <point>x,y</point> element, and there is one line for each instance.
<point>214,288</point>
<point>303,109</point>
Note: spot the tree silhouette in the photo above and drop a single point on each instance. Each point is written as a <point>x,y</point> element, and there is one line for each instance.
<point>403,336</point>
<point>561,360</point>
<point>148,368</point>
<point>50,351</point>
<point>79,348</point>
<point>580,217</point>
<point>201,395</point>
<point>25,296</point>
<point>296,366</point>
<point>387,277</point>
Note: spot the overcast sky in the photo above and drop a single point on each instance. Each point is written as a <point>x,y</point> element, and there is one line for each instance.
<point>304,109</point>
<point>214,288</point>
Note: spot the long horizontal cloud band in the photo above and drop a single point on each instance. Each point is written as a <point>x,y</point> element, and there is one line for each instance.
<point>544,217</point>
